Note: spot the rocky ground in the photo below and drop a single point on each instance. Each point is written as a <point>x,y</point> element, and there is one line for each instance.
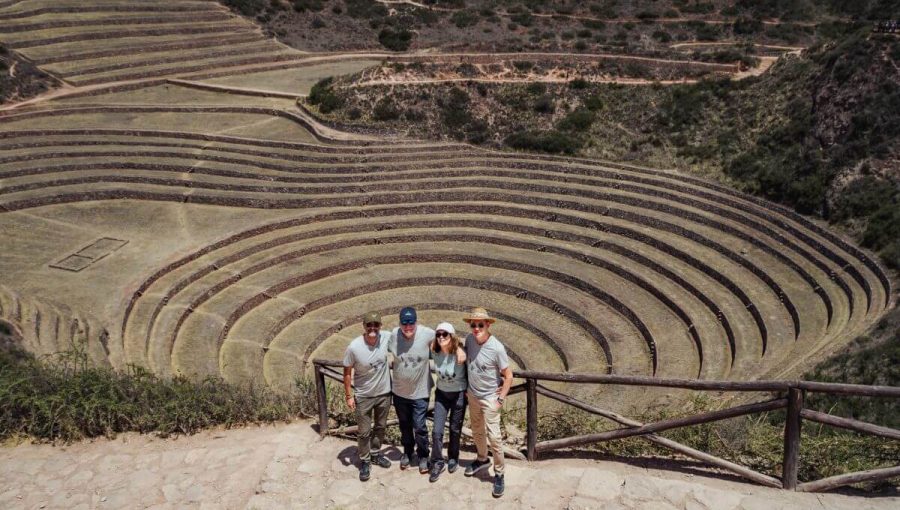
<point>287,466</point>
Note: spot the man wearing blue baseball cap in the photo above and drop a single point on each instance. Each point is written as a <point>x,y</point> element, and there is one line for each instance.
<point>411,346</point>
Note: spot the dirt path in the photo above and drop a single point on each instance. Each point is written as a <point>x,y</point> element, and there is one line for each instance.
<point>287,466</point>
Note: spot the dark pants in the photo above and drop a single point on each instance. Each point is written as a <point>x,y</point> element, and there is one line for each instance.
<point>413,431</point>
<point>453,404</point>
<point>370,438</point>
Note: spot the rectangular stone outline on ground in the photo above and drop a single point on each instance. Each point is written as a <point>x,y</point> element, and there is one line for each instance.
<point>89,254</point>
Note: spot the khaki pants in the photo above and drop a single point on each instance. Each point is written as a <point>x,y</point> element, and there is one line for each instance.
<point>369,438</point>
<point>485,420</point>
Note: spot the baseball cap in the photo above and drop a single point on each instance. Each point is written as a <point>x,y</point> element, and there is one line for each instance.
<point>408,315</point>
<point>372,317</point>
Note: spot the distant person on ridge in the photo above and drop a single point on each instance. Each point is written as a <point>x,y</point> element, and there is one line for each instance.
<point>411,347</point>
<point>366,365</point>
<point>489,378</point>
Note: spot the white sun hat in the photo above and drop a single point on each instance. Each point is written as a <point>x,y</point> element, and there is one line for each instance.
<point>446,326</point>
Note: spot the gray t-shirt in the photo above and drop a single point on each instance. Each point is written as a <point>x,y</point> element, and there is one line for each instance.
<point>485,362</point>
<point>412,376</point>
<point>451,376</point>
<point>372,376</point>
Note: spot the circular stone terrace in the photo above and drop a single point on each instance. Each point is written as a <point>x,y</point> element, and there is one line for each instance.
<point>221,231</point>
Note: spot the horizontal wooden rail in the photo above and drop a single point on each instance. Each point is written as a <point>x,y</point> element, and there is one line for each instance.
<point>665,442</point>
<point>833,482</point>
<point>697,419</point>
<point>850,424</point>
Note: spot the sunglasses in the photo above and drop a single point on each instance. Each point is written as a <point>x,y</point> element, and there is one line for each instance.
<point>441,334</point>
<point>479,325</point>
<point>373,325</point>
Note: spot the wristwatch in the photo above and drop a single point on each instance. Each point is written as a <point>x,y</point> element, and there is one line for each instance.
<point>501,400</point>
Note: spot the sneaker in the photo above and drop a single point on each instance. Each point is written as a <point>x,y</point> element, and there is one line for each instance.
<point>365,471</point>
<point>381,461</point>
<point>452,465</point>
<point>404,461</point>
<point>476,466</point>
<point>498,486</point>
<point>423,465</point>
<point>436,471</point>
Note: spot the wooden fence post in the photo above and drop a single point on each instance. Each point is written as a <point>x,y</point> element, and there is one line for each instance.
<point>792,438</point>
<point>322,400</point>
<point>531,418</point>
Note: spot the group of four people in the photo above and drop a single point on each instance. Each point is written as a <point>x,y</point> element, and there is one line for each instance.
<point>473,371</point>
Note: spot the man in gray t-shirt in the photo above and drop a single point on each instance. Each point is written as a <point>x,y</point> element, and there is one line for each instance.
<point>490,378</point>
<point>366,369</point>
<point>411,347</point>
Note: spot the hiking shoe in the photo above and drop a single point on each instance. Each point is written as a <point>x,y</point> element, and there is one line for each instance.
<point>452,465</point>
<point>436,471</point>
<point>423,465</point>
<point>381,461</point>
<point>498,486</point>
<point>404,461</point>
<point>476,466</point>
<point>365,470</point>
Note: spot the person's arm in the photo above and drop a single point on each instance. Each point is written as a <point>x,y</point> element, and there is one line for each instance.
<point>348,388</point>
<point>460,355</point>
<point>507,376</point>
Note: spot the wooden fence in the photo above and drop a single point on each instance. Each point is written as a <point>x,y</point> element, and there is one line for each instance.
<point>792,396</point>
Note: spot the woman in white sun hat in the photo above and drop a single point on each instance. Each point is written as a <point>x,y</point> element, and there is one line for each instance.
<point>449,397</point>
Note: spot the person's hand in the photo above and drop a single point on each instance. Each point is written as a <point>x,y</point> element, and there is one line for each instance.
<point>351,402</point>
<point>460,356</point>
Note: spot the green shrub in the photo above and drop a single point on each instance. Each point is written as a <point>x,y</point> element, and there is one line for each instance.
<point>305,5</point>
<point>536,88</point>
<point>661,36</point>
<point>747,26</point>
<point>553,141</point>
<point>579,84</point>
<point>385,110</point>
<point>862,198</point>
<point>246,7</point>
<point>523,18</point>
<point>322,95</point>
<point>463,19</point>
<point>578,120</point>
<point>523,65</point>
<point>63,398</point>
<point>395,40</point>
<point>365,9</point>
<point>544,104</point>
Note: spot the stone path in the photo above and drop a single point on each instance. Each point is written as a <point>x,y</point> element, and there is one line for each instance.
<point>287,466</point>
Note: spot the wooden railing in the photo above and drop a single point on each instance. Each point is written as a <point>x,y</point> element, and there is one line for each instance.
<point>792,396</point>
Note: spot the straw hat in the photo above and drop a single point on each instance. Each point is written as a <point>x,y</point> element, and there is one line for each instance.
<point>479,314</point>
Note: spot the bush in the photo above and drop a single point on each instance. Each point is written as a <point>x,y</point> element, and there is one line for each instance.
<point>536,88</point>
<point>365,9</point>
<point>63,398</point>
<point>579,120</point>
<point>395,40</point>
<point>321,94</point>
<point>662,36</point>
<point>553,141</point>
<point>463,19</point>
<point>747,26</point>
<point>317,23</point>
<point>523,65</point>
<point>544,104</point>
<point>385,110</point>
<point>246,7</point>
<point>579,84</point>
<point>311,5</point>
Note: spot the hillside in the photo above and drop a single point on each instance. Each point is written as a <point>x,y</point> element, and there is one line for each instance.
<point>818,132</point>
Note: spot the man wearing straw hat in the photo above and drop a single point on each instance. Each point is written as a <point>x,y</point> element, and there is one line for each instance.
<point>366,365</point>
<point>490,378</point>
